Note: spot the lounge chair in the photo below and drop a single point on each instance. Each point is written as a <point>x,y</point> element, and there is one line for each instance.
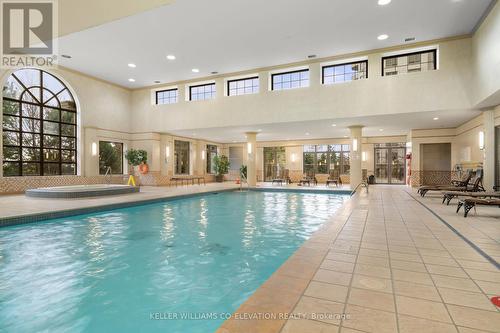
<point>456,185</point>
<point>284,176</point>
<point>334,178</point>
<point>449,195</point>
<point>308,178</point>
<point>477,186</point>
<point>470,203</point>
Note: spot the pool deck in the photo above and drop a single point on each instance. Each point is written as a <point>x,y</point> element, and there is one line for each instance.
<point>384,261</point>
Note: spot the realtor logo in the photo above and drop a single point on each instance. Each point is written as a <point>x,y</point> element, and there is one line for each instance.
<point>28,33</point>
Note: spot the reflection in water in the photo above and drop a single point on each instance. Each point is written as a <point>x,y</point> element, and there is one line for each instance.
<point>107,272</point>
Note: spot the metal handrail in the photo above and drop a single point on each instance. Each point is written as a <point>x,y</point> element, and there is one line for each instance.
<point>363,183</point>
<point>243,178</point>
<point>108,173</point>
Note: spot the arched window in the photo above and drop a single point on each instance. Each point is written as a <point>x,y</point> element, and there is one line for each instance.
<point>39,125</point>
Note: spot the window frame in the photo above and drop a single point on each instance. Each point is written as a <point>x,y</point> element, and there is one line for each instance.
<point>188,171</point>
<point>201,85</point>
<point>433,51</point>
<point>243,79</point>
<point>165,90</point>
<point>121,156</point>
<point>210,149</point>
<point>343,64</point>
<point>290,72</point>
<point>41,103</point>
<point>329,153</point>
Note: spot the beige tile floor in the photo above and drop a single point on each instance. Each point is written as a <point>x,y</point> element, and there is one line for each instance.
<point>382,264</point>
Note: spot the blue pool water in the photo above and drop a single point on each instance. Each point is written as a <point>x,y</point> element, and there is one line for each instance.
<point>113,271</point>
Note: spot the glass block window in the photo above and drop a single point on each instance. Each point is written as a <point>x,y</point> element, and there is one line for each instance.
<point>345,72</point>
<point>243,86</point>
<point>409,63</point>
<point>290,80</point>
<point>169,96</point>
<point>202,92</point>
<point>39,125</point>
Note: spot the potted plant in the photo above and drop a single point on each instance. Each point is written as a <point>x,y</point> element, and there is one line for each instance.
<point>137,157</point>
<point>221,164</point>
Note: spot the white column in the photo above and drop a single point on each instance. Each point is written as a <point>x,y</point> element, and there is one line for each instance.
<point>355,158</point>
<point>251,160</point>
<point>489,149</point>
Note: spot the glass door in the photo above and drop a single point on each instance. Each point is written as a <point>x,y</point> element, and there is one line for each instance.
<point>390,163</point>
<point>398,165</point>
<point>274,162</point>
<point>381,166</point>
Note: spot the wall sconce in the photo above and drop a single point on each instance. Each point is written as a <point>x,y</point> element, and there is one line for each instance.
<point>481,140</point>
<point>202,154</point>
<point>363,156</point>
<point>354,144</point>
<point>94,149</point>
<point>249,147</point>
<point>167,154</point>
<point>294,157</point>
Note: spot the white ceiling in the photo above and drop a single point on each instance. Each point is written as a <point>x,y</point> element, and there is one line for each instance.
<point>234,35</point>
<point>323,128</point>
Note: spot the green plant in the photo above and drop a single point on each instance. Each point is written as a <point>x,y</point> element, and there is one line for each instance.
<point>221,164</point>
<point>243,170</point>
<point>136,156</point>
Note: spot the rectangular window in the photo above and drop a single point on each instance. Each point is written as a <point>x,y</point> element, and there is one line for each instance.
<point>110,156</point>
<point>211,153</point>
<point>169,96</point>
<point>321,159</point>
<point>290,80</point>
<point>202,92</point>
<point>409,63</point>
<point>243,86</point>
<point>345,72</point>
<point>181,154</point>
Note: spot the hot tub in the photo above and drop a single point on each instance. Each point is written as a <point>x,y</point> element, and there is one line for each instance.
<point>81,191</point>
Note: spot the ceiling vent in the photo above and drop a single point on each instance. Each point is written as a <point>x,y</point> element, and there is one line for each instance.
<point>409,39</point>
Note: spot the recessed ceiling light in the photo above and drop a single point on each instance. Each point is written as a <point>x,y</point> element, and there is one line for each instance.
<point>384,2</point>
<point>333,125</point>
<point>131,65</point>
<point>195,70</point>
<point>345,136</point>
<point>131,80</point>
<point>381,129</point>
<point>67,56</point>
<point>435,118</point>
<point>382,37</point>
<point>307,133</point>
<point>171,57</point>
<point>194,134</point>
<point>259,130</point>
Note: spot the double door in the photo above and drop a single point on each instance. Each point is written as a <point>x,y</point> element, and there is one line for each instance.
<point>390,165</point>
<point>274,162</point>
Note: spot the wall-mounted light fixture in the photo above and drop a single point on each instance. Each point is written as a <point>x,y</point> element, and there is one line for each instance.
<point>94,148</point>
<point>363,156</point>
<point>202,154</point>
<point>294,157</point>
<point>354,144</point>
<point>481,140</point>
<point>249,147</point>
<point>167,153</point>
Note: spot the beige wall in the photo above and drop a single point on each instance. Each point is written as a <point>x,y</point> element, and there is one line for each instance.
<point>445,89</point>
<point>486,60</point>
